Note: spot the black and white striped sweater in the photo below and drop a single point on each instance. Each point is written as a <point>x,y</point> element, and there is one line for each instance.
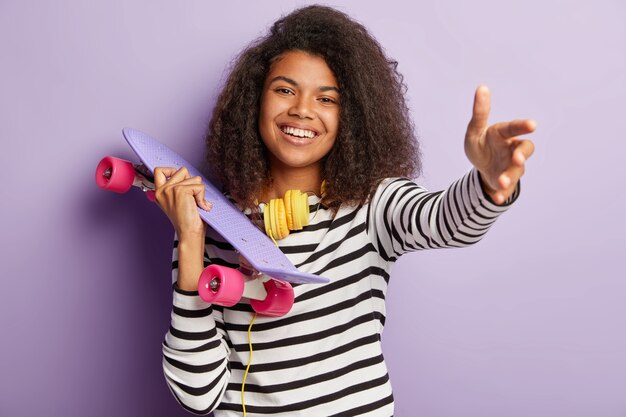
<point>323,358</point>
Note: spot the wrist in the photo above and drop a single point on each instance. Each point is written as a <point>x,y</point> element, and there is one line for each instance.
<point>190,262</point>
<point>488,192</point>
<point>192,235</point>
<point>486,187</point>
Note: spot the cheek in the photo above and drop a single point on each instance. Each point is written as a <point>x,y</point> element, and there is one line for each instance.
<point>270,108</point>
<point>332,121</point>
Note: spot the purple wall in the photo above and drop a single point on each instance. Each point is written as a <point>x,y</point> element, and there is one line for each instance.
<point>530,322</point>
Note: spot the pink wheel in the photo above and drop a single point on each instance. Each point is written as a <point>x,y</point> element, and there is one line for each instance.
<point>114,174</point>
<point>220,285</point>
<point>279,299</point>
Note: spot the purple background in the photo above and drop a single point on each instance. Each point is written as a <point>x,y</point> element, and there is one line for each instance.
<point>530,322</point>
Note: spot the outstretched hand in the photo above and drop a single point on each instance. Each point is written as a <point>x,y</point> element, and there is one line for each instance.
<point>496,151</point>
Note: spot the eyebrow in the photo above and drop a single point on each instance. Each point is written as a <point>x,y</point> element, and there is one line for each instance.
<point>295,84</point>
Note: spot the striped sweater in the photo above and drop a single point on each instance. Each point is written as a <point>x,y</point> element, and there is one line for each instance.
<point>324,357</point>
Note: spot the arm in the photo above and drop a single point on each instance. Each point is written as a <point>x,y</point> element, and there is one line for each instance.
<point>406,217</point>
<point>195,350</point>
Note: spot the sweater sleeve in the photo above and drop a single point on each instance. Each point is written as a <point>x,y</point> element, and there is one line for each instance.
<point>405,217</point>
<point>195,350</point>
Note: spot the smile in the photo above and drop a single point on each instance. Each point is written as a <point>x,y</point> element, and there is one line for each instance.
<point>299,133</point>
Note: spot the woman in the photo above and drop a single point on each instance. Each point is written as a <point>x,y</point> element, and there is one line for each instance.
<point>314,102</point>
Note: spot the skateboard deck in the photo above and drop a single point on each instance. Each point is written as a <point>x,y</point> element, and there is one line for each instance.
<point>224,217</point>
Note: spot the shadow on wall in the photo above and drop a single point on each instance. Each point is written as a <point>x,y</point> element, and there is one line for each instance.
<point>126,305</point>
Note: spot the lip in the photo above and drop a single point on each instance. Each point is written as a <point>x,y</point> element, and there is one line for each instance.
<point>293,139</point>
<point>298,126</point>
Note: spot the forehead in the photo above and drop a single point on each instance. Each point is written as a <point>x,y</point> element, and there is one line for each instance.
<point>303,68</point>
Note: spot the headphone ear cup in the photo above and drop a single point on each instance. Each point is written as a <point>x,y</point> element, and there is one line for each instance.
<point>266,221</point>
<point>301,210</point>
<point>271,219</point>
<point>282,215</point>
<point>289,209</point>
<point>280,228</point>
<point>273,228</point>
<point>282,219</point>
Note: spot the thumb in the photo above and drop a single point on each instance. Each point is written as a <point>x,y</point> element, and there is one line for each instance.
<point>480,112</point>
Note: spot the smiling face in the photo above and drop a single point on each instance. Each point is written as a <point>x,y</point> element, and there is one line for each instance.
<point>299,114</point>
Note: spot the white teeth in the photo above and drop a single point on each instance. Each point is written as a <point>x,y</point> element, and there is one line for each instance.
<point>299,132</point>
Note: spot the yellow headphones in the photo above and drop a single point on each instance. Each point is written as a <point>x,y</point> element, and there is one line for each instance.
<point>281,215</point>
<point>284,214</point>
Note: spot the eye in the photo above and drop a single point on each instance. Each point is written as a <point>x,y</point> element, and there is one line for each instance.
<point>283,90</point>
<point>328,100</point>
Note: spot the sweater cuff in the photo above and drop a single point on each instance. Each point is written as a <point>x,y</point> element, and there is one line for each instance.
<point>188,300</point>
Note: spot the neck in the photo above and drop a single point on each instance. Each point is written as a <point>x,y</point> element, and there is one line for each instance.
<point>305,179</point>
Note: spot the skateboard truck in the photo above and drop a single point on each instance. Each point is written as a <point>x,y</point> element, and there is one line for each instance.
<point>144,181</point>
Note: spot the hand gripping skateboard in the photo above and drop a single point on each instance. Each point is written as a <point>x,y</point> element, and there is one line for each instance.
<point>267,286</point>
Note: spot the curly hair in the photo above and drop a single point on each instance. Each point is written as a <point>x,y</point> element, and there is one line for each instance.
<point>376,136</point>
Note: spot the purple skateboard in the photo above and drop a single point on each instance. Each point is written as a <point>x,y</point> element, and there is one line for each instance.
<point>225,218</point>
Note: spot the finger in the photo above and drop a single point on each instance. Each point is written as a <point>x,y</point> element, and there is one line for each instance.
<point>171,176</point>
<point>167,180</point>
<point>522,151</point>
<point>508,179</point>
<point>510,176</point>
<point>180,175</point>
<point>515,128</point>
<point>161,174</point>
<point>196,190</point>
<point>189,181</point>
<point>201,201</point>
<point>501,196</point>
<point>480,111</point>
<point>503,193</point>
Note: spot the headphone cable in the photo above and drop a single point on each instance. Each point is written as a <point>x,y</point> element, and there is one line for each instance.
<point>245,375</point>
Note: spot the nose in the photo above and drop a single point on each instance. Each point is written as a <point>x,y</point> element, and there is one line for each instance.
<point>302,108</point>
